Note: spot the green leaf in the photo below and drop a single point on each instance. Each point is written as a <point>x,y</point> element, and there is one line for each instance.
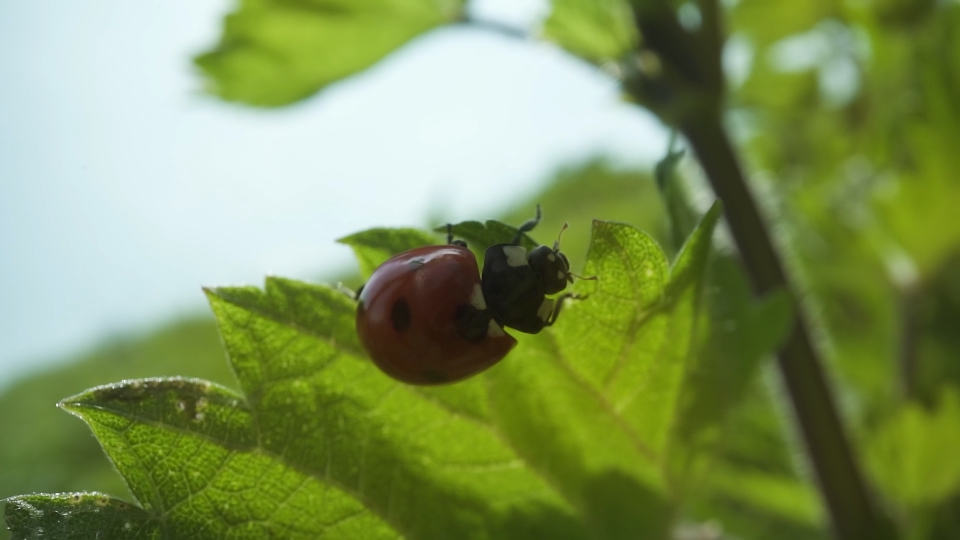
<point>596,30</point>
<point>374,246</point>
<point>276,52</point>
<point>78,516</point>
<point>631,338</point>
<point>191,453</point>
<point>913,455</point>
<point>421,465</point>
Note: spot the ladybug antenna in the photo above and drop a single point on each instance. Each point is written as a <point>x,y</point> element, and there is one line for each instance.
<point>571,275</point>
<point>556,245</point>
<point>450,239</point>
<point>526,227</point>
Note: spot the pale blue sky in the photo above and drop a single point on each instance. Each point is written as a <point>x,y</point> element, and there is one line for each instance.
<point>123,189</point>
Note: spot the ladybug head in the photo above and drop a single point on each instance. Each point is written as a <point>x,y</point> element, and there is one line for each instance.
<point>551,268</point>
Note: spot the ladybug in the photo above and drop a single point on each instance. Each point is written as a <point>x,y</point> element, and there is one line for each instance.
<point>426,317</point>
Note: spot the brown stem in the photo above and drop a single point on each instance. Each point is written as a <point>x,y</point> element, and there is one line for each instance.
<point>851,509</point>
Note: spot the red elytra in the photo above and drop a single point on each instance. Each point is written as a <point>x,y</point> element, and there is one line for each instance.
<point>406,318</point>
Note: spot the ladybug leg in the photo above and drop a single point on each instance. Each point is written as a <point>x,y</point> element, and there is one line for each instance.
<point>526,227</point>
<point>450,239</point>
<point>560,301</point>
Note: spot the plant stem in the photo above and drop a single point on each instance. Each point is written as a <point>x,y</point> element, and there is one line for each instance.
<point>851,509</point>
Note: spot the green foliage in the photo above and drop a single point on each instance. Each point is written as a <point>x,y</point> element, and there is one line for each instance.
<point>550,443</point>
<point>914,453</point>
<point>596,30</point>
<point>276,52</point>
<point>642,407</point>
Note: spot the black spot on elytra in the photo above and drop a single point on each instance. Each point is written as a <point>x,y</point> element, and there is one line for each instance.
<point>400,315</point>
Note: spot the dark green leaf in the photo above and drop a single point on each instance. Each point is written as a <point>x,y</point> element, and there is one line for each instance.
<point>482,235</point>
<point>78,516</point>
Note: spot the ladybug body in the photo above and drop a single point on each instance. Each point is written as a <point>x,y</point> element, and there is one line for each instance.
<point>426,316</point>
<point>423,319</point>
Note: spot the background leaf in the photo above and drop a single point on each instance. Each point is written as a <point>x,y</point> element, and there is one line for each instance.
<point>914,454</point>
<point>596,30</point>
<point>276,52</point>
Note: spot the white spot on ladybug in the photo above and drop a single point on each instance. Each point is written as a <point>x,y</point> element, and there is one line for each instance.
<point>494,330</point>
<point>551,257</point>
<point>560,275</point>
<point>476,298</point>
<point>546,309</point>
<point>516,255</point>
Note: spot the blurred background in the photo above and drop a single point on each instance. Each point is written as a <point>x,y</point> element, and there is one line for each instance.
<point>124,187</point>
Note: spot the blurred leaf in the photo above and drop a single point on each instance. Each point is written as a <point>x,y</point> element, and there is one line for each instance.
<point>276,52</point>
<point>596,30</point>
<point>766,22</point>
<point>913,455</point>
<point>374,246</point>
<point>783,496</point>
<point>739,332</point>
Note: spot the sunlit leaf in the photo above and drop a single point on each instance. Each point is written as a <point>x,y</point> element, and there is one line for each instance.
<point>633,335</point>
